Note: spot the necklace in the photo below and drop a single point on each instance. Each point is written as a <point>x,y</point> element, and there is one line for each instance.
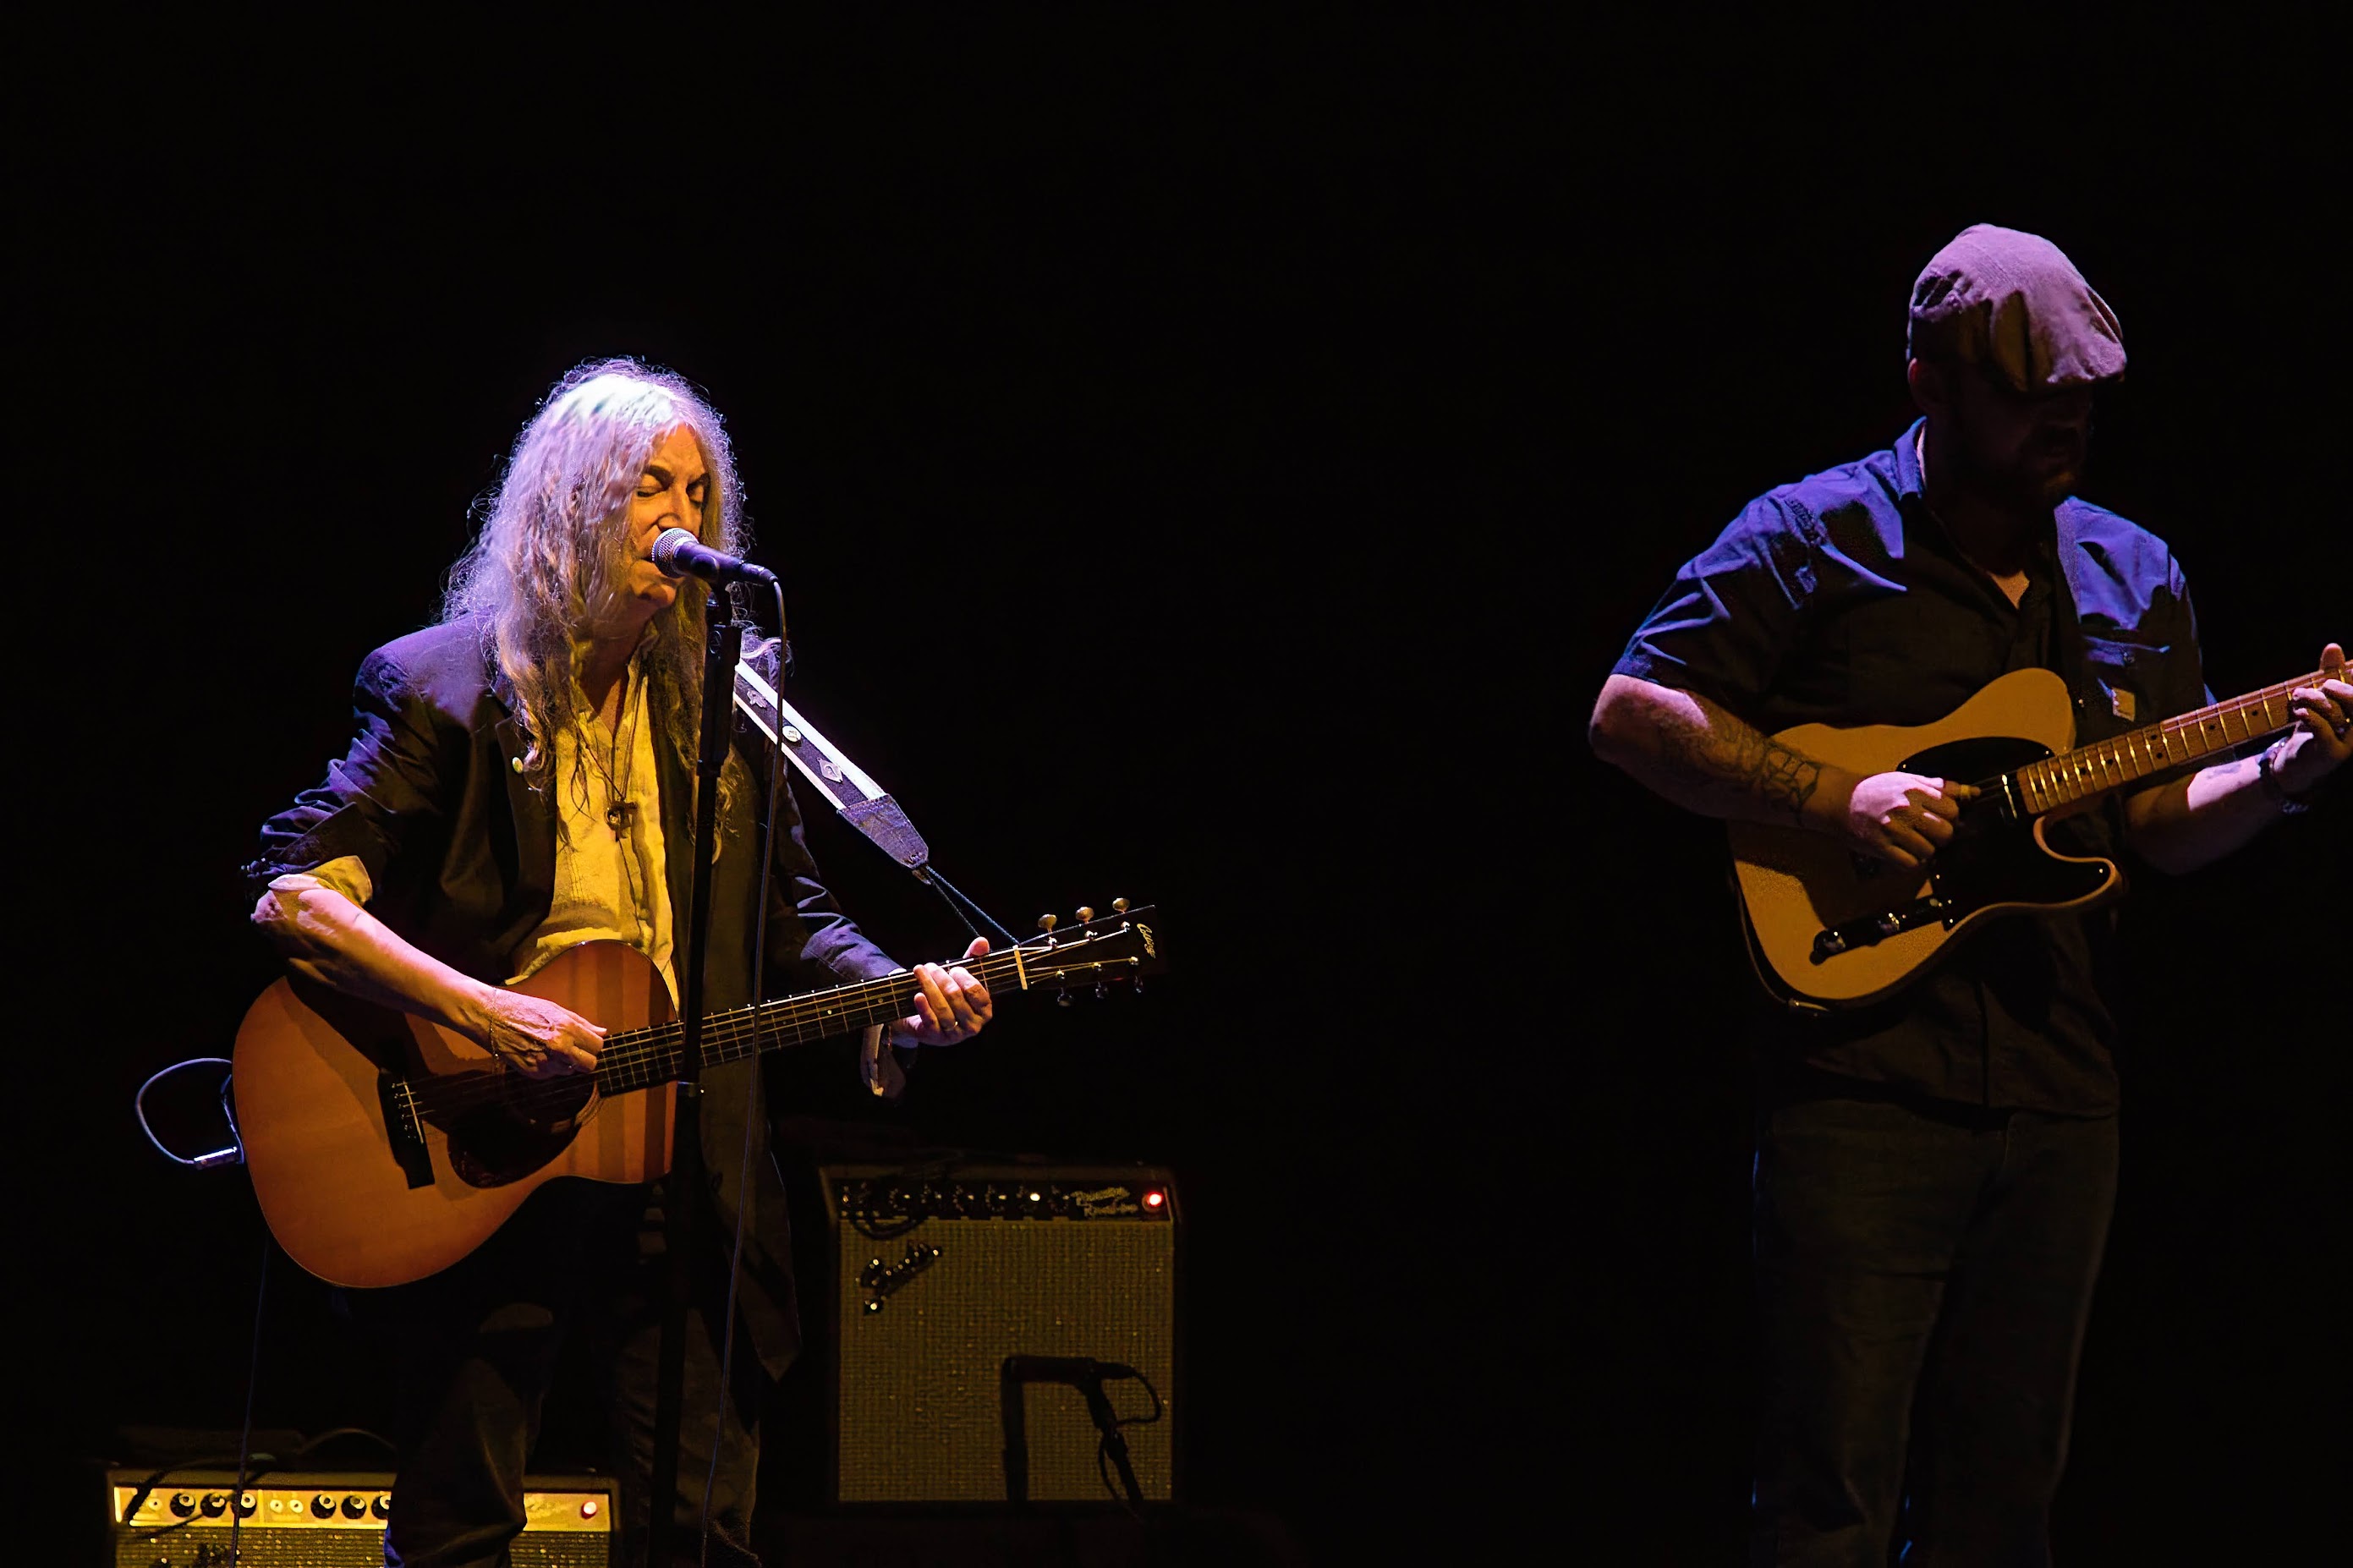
<point>620,811</point>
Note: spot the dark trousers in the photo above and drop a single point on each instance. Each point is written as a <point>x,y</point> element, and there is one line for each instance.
<point>1925,1274</point>
<point>478,1344</point>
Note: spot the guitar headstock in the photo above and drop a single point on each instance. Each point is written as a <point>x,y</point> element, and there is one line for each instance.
<point>1096,954</point>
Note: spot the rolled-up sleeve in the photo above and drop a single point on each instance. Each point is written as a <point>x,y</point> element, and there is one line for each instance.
<point>1733,610</point>
<point>346,874</point>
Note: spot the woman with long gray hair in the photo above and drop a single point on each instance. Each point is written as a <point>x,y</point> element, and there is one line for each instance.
<point>521,783</point>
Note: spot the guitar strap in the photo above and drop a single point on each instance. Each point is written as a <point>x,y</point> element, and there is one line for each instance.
<point>846,788</point>
<point>863,803</point>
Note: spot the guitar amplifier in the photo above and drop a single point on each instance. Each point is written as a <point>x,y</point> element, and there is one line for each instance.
<point>942,1273</point>
<point>328,1519</point>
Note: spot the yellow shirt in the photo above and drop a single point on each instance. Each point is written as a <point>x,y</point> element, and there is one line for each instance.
<point>609,885</point>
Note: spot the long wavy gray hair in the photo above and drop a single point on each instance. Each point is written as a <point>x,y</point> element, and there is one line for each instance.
<point>541,575</point>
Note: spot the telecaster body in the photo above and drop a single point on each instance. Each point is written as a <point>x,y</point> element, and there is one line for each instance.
<point>1828,928</point>
<point>1797,886</point>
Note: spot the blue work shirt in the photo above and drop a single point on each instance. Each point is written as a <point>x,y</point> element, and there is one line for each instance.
<point>1842,599</point>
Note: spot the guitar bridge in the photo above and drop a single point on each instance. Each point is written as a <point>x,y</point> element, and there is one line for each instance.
<point>1873,929</point>
<point>405,1130</point>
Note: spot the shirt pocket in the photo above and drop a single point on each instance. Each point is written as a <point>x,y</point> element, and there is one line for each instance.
<point>2124,677</point>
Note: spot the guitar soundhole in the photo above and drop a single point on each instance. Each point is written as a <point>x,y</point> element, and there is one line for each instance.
<point>517,1128</point>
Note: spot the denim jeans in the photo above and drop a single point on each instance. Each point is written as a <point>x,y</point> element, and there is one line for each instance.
<point>1924,1272</point>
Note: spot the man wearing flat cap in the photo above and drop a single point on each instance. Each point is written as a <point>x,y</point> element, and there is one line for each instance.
<point>1935,1171</point>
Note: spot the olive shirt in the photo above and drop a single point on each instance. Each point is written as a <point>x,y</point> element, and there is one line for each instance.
<point>1841,599</point>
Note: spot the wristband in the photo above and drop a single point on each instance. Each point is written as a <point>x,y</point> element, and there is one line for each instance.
<point>2289,806</point>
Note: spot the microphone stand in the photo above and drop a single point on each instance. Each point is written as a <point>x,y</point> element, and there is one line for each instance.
<point>682,1195</point>
<point>1085,1374</point>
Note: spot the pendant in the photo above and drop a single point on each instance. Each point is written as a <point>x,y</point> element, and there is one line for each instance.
<point>620,816</point>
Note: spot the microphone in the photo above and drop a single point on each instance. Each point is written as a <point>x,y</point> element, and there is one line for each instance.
<point>679,554</point>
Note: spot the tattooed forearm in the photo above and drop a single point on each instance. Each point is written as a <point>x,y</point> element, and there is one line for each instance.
<point>1721,752</point>
<point>1709,760</point>
<point>1785,779</point>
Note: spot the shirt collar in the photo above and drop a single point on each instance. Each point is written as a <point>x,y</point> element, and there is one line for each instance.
<point>1910,489</point>
<point>1908,485</point>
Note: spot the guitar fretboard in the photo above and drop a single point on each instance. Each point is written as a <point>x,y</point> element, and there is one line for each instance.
<point>2094,770</point>
<point>642,1058</point>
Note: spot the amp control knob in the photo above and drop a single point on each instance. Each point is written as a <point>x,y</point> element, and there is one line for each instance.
<point>381,1506</point>
<point>322,1506</point>
<point>214,1502</point>
<point>183,1504</point>
<point>355,1505</point>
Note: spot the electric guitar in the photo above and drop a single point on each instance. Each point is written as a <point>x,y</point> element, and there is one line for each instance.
<point>1828,928</point>
<point>385,1147</point>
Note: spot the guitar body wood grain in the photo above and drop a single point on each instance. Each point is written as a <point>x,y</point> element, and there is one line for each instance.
<point>329,1172</point>
<point>1795,885</point>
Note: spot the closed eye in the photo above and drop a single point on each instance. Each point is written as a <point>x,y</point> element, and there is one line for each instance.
<point>657,480</point>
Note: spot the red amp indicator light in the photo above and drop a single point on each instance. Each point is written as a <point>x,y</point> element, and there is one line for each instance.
<point>1154,1197</point>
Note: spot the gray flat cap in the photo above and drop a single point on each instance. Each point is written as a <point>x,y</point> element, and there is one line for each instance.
<point>2015,304</point>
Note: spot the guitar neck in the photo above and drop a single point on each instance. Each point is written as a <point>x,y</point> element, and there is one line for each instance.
<point>2089,771</point>
<point>641,1058</point>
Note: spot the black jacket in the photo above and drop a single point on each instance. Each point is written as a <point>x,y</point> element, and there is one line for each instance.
<point>461,853</point>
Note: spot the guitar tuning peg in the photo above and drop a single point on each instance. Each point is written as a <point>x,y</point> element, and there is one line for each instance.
<point>1063,999</point>
<point>1085,914</point>
<point>1047,923</point>
<point>1120,904</point>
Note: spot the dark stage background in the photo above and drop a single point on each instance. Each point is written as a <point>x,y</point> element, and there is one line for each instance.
<point>1214,466</point>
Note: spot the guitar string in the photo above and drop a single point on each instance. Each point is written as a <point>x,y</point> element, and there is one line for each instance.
<point>2059,779</point>
<point>2106,766</point>
<point>2086,770</point>
<point>658,1045</point>
<point>655,1050</point>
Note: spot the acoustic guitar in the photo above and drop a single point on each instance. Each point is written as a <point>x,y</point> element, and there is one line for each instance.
<point>385,1147</point>
<point>1831,929</point>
